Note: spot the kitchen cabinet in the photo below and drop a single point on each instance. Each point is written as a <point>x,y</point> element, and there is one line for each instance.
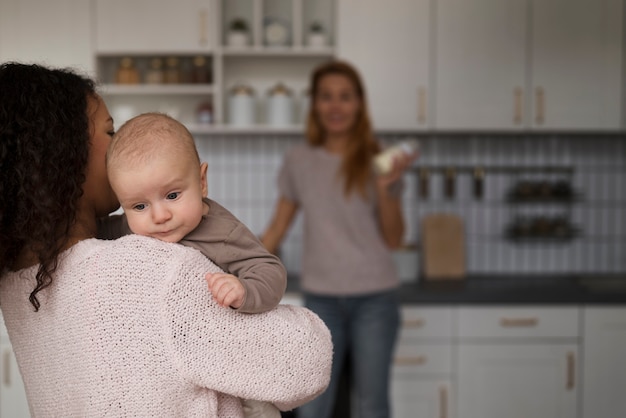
<point>54,32</point>
<point>13,402</point>
<point>518,362</point>
<point>421,382</point>
<point>525,64</point>
<point>480,64</point>
<point>576,64</point>
<point>389,43</point>
<point>183,26</point>
<point>276,49</point>
<point>604,368</point>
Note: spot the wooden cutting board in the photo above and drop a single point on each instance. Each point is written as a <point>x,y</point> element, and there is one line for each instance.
<point>443,247</point>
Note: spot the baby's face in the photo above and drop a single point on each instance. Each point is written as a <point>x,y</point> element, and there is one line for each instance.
<point>161,198</point>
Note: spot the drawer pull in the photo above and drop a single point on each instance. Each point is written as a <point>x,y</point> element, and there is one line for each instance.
<point>414,323</point>
<point>540,99</point>
<point>203,32</point>
<point>518,322</point>
<point>410,361</point>
<point>443,402</point>
<point>517,114</point>
<point>571,371</point>
<point>421,105</point>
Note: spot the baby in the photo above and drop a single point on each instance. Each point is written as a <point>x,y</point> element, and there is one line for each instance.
<point>155,171</point>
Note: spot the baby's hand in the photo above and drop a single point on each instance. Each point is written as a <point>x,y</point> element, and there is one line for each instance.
<point>227,290</point>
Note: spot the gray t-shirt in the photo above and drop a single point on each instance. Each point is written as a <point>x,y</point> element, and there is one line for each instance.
<point>344,251</point>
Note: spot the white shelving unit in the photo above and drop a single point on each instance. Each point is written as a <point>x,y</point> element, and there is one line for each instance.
<point>258,64</point>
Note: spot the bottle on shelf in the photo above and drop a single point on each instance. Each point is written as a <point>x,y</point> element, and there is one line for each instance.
<point>204,113</point>
<point>172,73</point>
<point>155,74</point>
<point>126,72</point>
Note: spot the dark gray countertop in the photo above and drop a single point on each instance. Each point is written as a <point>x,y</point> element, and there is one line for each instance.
<point>512,289</point>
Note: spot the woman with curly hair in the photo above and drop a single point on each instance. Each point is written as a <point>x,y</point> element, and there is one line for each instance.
<point>122,327</point>
<point>352,218</point>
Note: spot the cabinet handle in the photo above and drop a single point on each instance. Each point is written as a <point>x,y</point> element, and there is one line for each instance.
<point>571,371</point>
<point>6,359</point>
<point>517,114</point>
<point>518,322</point>
<point>421,105</point>
<point>443,402</point>
<point>203,39</point>
<point>410,361</point>
<point>540,101</point>
<point>413,323</point>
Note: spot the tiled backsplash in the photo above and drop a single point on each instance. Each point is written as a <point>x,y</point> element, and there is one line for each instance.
<point>243,170</point>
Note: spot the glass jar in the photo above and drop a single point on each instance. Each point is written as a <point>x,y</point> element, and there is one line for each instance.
<point>200,72</point>
<point>172,71</point>
<point>126,72</point>
<point>155,75</point>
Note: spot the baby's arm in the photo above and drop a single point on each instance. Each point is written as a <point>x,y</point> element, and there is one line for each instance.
<point>235,249</point>
<point>261,273</point>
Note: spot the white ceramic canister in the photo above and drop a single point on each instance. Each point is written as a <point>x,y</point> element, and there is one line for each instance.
<point>280,106</point>
<point>241,106</point>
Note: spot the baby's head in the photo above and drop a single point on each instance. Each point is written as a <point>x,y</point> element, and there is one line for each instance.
<point>154,169</point>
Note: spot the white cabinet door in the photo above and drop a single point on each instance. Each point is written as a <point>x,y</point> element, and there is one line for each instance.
<point>519,380</point>
<point>604,366</point>
<point>480,64</point>
<point>412,397</point>
<point>421,380</point>
<point>389,43</point>
<point>145,26</point>
<point>55,32</point>
<point>576,64</point>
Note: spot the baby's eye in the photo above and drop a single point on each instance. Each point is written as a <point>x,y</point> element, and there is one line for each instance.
<point>172,195</point>
<point>139,207</point>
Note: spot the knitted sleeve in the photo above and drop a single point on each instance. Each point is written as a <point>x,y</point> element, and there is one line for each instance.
<point>282,356</point>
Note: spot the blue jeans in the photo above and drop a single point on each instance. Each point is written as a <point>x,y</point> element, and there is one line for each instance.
<point>367,326</point>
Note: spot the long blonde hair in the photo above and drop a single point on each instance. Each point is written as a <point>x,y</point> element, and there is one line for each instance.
<point>356,168</point>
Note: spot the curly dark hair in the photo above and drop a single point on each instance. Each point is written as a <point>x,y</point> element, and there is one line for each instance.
<point>44,149</point>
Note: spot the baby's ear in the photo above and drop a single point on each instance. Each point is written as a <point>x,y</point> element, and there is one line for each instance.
<point>203,179</point>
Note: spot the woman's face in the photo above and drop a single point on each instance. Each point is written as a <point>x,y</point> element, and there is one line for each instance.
<point>97,190</point>
<point>337,104</point>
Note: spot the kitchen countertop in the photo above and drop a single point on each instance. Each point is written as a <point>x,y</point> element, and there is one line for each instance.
<point>511,289</point>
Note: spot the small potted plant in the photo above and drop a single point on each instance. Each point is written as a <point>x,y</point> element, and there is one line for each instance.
<point>316,36</point>
<point>238,34</point>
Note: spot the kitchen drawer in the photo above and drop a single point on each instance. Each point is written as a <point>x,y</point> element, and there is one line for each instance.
<point>415,357</point>
<point>526,322</point>
<point>426,322</point>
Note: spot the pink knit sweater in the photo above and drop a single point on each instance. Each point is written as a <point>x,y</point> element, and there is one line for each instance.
<point>129,329</point>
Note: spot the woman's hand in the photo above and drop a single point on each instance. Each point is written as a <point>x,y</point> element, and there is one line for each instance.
<point>401,163</point>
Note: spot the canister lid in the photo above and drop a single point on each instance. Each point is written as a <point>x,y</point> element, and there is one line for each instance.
<point>280,88</point>
<point>242,89</point>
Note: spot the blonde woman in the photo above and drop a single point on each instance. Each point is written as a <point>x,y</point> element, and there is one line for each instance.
<point>352,219</point>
